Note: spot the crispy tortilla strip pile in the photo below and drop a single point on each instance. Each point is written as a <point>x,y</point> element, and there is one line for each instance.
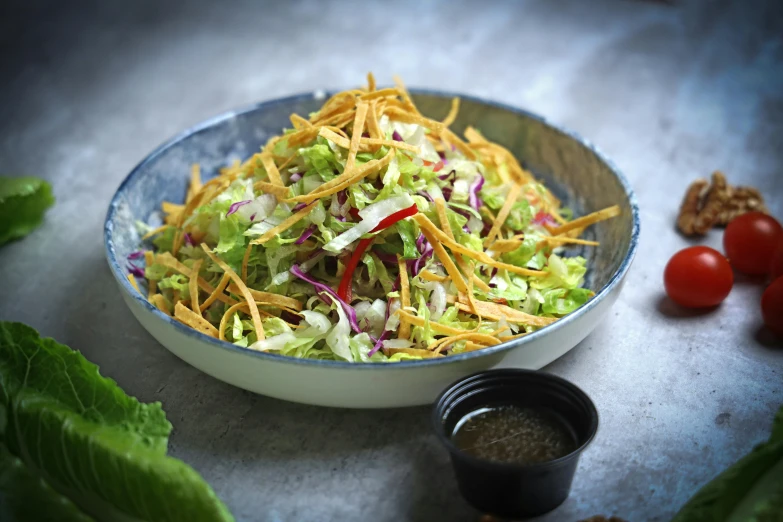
<point>352,120</point>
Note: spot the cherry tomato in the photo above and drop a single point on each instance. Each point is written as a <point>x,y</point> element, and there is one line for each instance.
<point>772,306</point>
<point>750,241</point>
<point>776,268</point>
<point>697,277</point>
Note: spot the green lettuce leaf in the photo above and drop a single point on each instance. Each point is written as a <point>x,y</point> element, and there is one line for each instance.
<point>561,301</point>
<point>23,203</point>
<point>321,158</point>
<point>751,490</point>
<point>522,255</point>
<point>88,440</point>
<point>18,486</point>
<point>407,231</point>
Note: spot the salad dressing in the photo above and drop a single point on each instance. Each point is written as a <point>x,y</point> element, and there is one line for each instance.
<point>513,435</point>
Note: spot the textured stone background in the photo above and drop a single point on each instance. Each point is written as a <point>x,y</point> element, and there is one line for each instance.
<point>669,92</point>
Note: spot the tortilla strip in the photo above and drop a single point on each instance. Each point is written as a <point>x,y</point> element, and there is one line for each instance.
<point>487,339</point>
<point>271,169</point>
<point>170,261</point>
<point>424,354</point>
<point>369,143</point>
<point>215,293</point>
<point>134,284</point>
<point>155,232</point>
<point>280,192</point>
<point>452,115</point>
<point>587,220</point>
<point>408,117</point>
<point>435,326</point>
<point>224,320</point>
<point>344,180</point>
<point>381,93</point>
<point>505,245</point>
<point>285,225</point>
<point>373,126</point>
<point>356,135</point>
<point>404,331</point>
<point>448,264</point>
<point>195,182</point>
<point>365,144</point>
<point>570,240</point>
<point>481,257</point>
<point>243,290</point>
<point>503,214</point>
<point>473,136</point>
<point>496,312</point>
<point>440,207</point>
<point>299,123</point>
<point>160,303</point>
<point>273,299</point>
<point>429,276</point>
<point>370,82</point>
<point>188,317</point>
<point>193,286</point>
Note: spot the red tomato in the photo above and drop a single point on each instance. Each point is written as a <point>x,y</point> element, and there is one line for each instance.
<point>772,306</point>
<point>750,241</point>
<point>698,277</point>
<point>776,268</point>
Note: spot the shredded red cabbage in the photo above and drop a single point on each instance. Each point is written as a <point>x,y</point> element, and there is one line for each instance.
<point>342,197</point>
<point>473,192</point>
<point>330,296</point>
<point>420,243</point>
<point>426,195</point>
<point>386,258</point>
<point>136,255</point>
<point>385,333</point>
<point>189,239</point>
<point>298,207</point>
<point>422,260</point>
<point>293,178</point>
<point>136,271</point>
<point>307,233</point>
<point>382,338</point>
<point>452,174</point>
<point>252,217</point>
<point>396,136</point>
<point>446,193</point>
<point>235,206</point>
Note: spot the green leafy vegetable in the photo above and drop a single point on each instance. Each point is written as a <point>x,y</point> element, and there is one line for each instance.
<point>18,485</point>
<point>85,438</point>
<point>751,490</point>
<point>23,202</point>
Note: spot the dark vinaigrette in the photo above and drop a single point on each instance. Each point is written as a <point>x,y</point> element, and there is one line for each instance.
<point>513,435</point>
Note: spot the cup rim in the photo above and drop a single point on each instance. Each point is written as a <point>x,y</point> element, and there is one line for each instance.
<point>523,374</point>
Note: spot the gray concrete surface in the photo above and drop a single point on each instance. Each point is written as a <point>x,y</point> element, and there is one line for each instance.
<point>669,92</point>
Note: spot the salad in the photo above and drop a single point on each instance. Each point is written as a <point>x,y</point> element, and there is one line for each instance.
<point>367,232</point>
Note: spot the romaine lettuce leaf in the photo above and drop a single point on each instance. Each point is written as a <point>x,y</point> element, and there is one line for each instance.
<point>86,438</point>
<point>24,497</point>
<point>23,203</point>
<point>751,490</point>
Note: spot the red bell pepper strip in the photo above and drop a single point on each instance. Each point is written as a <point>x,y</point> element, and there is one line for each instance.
<point>344,290</point>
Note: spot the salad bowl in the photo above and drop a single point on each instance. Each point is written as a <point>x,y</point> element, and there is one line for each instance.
<point>573,169</point>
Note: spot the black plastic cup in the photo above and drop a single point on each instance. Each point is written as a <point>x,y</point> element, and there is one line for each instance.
<point>511,490</point>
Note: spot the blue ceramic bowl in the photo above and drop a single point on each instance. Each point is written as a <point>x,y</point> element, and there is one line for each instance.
<point>582,177</point>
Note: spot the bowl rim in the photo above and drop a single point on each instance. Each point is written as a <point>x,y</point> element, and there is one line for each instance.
<point>125,285</point>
